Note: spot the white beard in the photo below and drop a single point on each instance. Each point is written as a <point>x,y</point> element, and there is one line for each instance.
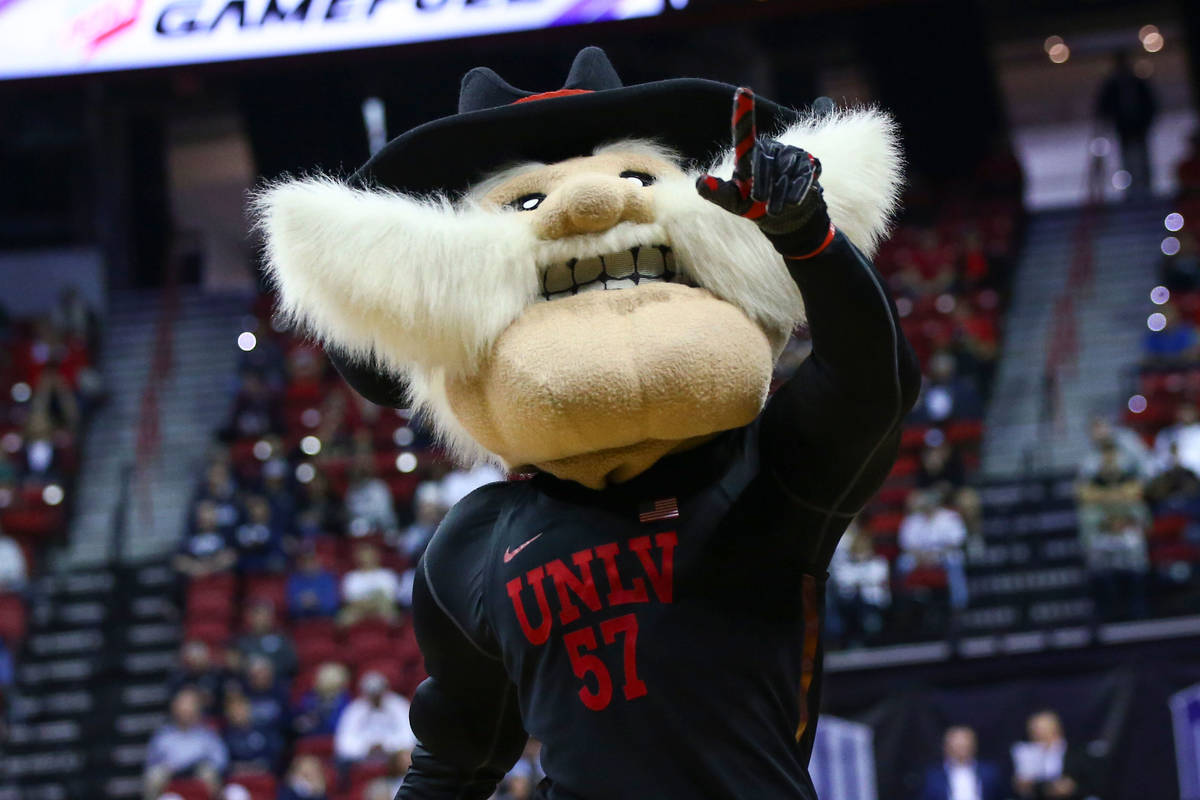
<point>426,286</point>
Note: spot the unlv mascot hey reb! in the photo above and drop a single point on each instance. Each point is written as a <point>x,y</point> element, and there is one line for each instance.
<point>557,282</point>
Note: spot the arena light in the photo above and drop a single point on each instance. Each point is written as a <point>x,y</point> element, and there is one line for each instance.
<point>934,437</point>
<point>944,303</point>
<point>1153,42</point>
<point>53,494</point>
<point>406,462</point>
<point>1173,222</point>
<point>1121,180</point>
<point>247,341</point>
<point>6,497</point>
<point>310,418</point>
<point>1169,246</point>
<point>1100,147</point>
<point>1146,30</point>
<point>1160,295</point>
<point>310,445</point>
<point>904,306</point>
<point>305,472</point>
<point>1143,68</point>
<point>403,436</point>
<point>1051,42</point>
<point>1059,53</point>
<point>262,449</point>
<point>1156,321</point>
<point>11,442</point>
<point>21,392</point>
<point>1137,404</point>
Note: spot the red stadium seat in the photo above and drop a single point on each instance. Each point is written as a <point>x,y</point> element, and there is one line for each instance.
<point>965,430</point>
<point>266,587</point>
<point>927,577</point>
<point>885,524</point>
<point>1167,528</point>
<point>314,651</point>
<point>260,785</point>
<point>12,620</point>
<point>362,773</point>
<point>319,746</point>
<point>189,789</point>
<point>213,632</point>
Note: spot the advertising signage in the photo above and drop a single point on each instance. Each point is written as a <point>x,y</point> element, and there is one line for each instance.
<point>62,37</point>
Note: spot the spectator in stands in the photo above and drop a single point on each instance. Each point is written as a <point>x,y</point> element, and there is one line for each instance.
<point>206,550</point>
<point>976,343</point>
<point>40,449</point>
<point>945,395</point>
<point>1112,520</point>
<point>265,694</point>
<point>319,709</point>
<point>184,747</point>
<point>1047,768</point>
<point>940,467</point>
<point>1133,455</point>
<point>1176,342</point>
<point>221,490</point>
<point>369,590</point>
<point>13,570</point>
<point>263,638</point>
<point>960,776</point>
<point>387,785</point>
<point>375,725</point>
<point>1128,104</point>
<point>260,543</point>
<point>252,747</point>
<point>256,409</point>
<point>1175,489</point>
<point>318,511</point>
<point>860,589</point>
<point>524,776</point>
<point>1182,439</point>
<point>305,780</point>
<point>196,671</point>
<point>368,500</point>
<point>428,508</point>
<point>933,535</point>
<point>312,590</point>
<point>1180,272</point>
<point>73,316</point>
<point>460,482</point>
<point>278,493</point>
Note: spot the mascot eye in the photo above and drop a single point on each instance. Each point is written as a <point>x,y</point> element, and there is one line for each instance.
<point>641,178</point>
<point>528,202</point>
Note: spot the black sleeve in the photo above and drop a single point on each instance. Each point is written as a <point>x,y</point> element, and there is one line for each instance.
<point>830,434</point>
<point>465,715</point>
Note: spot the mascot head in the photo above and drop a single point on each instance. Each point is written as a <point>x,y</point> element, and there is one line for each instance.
<point>538,274</point>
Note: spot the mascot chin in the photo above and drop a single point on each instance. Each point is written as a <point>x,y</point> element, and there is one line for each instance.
<point>562,286</point>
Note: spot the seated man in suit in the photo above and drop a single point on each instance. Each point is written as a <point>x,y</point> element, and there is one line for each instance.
<point>960,776</point>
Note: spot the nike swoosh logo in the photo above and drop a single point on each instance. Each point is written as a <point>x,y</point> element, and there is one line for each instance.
<point>509,555</point>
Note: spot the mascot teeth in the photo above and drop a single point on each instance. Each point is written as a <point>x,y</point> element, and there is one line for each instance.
<point>621,270</point>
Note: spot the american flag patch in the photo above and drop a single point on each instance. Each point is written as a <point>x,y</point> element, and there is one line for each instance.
<point>659,509</point>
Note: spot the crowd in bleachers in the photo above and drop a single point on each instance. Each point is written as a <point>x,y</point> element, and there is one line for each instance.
<point>47,387</point>
<point>1139,489</point>
<point>899,572</point>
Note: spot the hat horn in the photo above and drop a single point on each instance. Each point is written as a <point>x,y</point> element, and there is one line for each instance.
<point>593,71</point>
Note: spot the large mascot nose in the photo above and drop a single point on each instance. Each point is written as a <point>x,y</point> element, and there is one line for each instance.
<point>591,204</point>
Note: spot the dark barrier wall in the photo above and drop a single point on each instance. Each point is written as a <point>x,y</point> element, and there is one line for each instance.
<point>1115,700</point>
<point>930,64</point>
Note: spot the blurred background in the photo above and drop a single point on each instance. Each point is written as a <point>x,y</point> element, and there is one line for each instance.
<point>206,539</point>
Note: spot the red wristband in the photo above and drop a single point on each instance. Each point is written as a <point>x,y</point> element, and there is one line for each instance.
<point>825,243</point>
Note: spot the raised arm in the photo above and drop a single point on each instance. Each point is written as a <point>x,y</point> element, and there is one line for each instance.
<point>465,715</point>
<point>830,434</point>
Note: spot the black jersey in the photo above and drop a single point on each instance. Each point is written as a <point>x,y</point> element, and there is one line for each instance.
<point>662,637</point>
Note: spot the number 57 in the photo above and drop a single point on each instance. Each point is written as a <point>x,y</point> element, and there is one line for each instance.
<point>585,663</point>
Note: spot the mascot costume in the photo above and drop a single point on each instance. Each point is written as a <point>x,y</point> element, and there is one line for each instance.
<point>562,288</point>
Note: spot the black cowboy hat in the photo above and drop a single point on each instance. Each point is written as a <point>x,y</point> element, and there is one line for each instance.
<point>498,124</point>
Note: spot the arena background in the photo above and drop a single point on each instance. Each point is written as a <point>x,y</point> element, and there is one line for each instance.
<point>1045,280</point>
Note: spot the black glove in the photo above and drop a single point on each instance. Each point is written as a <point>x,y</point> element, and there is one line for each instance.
<point>773,184</point>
